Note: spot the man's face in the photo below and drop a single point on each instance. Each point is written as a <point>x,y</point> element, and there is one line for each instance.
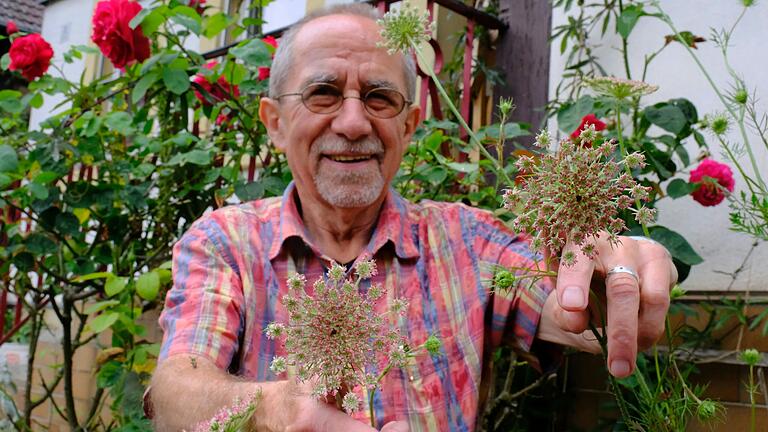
<point>348,157</point>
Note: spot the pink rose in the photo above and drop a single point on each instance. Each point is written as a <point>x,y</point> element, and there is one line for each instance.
<point>220,90</point>
<point>264,71</point>
<point>31,55</point>
<point>197,5</point>
<point>712,177</point>
<point>587,121</point>
<point>11,28</point>
<point>113,35</point>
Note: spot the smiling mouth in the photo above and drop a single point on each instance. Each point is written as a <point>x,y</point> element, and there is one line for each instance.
<point>349,159</point>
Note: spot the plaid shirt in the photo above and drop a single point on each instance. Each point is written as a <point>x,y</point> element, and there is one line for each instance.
<point>230,271</point>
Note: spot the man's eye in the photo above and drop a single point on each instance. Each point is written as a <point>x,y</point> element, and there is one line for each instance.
<point>322,95</point>
<point>380,99</point>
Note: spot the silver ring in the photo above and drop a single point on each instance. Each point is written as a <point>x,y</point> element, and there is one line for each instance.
<point>622,269</point>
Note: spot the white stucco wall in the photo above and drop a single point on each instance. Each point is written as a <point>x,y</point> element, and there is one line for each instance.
<point>65,23</point>
<point>706,228</point>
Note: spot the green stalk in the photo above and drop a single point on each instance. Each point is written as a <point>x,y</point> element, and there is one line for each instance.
<point>473,137</point>
<point>752,403</point>
<point>664,17</point>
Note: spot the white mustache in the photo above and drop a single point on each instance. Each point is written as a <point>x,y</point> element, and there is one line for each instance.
<point>334,144</point>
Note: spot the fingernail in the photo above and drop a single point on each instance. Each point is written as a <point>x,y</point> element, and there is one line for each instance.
<point>573,298</point>
<point>620,368</point>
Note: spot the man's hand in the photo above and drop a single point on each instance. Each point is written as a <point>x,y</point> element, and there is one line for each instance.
<point>300,412</point>
<point>636,307</point>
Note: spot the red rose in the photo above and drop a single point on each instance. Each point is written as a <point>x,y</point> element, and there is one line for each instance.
<point>587,121</point>
<point>198,5</point>
<point>114,37</point>
<point>11,28</point>
<point>712,178</point>
<point>31,55</point>
<point>221,90</point>
<point>264,71</point>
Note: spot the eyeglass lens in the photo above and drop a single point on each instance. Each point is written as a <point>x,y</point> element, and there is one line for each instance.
<point>379,102</point>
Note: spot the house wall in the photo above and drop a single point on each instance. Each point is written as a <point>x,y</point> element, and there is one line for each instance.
<point>706,228</point>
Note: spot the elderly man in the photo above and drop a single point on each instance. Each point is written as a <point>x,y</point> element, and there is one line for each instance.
<point>339,106</point>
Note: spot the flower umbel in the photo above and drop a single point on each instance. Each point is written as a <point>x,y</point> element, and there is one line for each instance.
<point>335,334</point>
<point>619,88</point>
<point>575,193</point>
<point>403,29</point>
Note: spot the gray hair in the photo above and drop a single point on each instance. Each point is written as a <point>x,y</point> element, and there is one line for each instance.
<point>283,60</point>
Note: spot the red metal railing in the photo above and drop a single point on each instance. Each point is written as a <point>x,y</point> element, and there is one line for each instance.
<point>428,97</point>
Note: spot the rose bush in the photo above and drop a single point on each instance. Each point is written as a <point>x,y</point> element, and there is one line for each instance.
<point>114,36</point>
<point>31,55</point>
<point>713,180</point>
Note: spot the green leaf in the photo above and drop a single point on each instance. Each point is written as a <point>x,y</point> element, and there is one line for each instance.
<point>148,285</point>
<point>5,181</point>
<point>143,85</point>
<point>569,116</point>
<point>92,276</point>
<point>676,244</point>
<point>234,72</point>
<point>67,224</point>
<point>120,122</point>
<point>115,285</point>
<point>628,19</point>
<point>9,160</point>
<point>137,20</point>
<point>214,24</point>
<point>188,18</point>
<point>109,374</point>
<point>678,188</point>
<point>100,306</point>
<point>36,101</point>
<point>250,191</point>
<point>103,322</point>
<point>37,190</point>
<point>152,22</point>
<point>253,53</point>
<point>46,177</point>
<point>667,117</point>
<point>10,100</point>
<point>5,61</point>
<point>463,167</point>
<point>40,244</point>
<point>176,80</point>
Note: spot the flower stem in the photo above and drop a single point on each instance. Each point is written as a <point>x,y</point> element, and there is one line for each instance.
<point>473,138</point>
<point>623,150</point>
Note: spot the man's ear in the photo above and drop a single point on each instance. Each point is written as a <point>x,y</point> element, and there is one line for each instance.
<point>412,120</point>
<point>269,114</point>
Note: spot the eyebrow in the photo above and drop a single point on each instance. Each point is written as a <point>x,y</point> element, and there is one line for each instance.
<point>320,78</point>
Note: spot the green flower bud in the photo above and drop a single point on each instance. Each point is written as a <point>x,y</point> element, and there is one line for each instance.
<point>751,356</point>
<point>741,96</point>
<point>719,124</point>
<point>504,279</point>
<point>506,106</point>
<point>706,410</point>
<point>748,3</point>
<point>432,345</point>
<point>677,292</point>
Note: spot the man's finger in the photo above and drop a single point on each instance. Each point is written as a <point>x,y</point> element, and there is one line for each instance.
<point>623,294</point>
<point>573,279</point>
<point>657,276</point>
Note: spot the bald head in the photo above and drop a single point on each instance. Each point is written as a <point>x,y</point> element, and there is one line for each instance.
<point>285,55</point>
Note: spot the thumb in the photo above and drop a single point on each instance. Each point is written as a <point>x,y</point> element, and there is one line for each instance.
<point>396,426</point>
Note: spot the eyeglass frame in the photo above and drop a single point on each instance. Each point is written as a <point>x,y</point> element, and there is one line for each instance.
<point>361,98</point>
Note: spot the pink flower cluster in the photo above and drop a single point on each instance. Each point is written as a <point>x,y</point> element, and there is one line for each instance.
<point>714,179</point>
<point>576,193</point>
<point>335,334</point>
<point>232,418</point>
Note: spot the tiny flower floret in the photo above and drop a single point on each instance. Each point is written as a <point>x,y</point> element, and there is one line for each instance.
<point>404,29</point>
<point>350,403</point>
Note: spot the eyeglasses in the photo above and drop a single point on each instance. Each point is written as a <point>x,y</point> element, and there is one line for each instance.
<point>322,98</point>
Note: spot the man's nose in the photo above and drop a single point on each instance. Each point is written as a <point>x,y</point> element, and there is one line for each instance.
<point>352,121</point>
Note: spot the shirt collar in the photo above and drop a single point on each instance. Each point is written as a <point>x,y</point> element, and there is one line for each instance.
<point>397,224</point>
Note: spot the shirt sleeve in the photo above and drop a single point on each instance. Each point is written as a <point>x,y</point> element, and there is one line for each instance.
<point>514,312</point>
<point>203,310</point>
